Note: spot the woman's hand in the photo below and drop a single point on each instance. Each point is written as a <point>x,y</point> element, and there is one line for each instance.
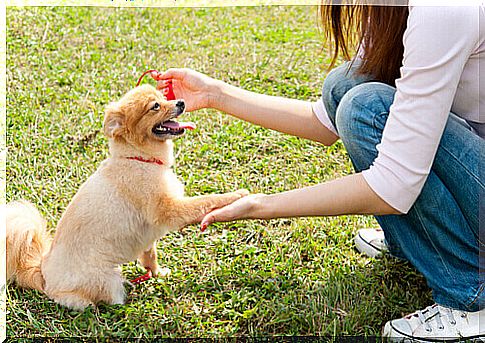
<point>195,88</point>
<point>244,208</point>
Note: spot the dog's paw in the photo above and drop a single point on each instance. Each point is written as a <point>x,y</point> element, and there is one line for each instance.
<point>155,269</point>
<point>73,301</point>
<point>161,272</point>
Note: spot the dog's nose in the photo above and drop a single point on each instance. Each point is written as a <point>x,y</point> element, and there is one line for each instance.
<point>180,105</point>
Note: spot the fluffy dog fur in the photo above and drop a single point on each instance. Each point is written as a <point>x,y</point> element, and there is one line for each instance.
<point>116,216</point>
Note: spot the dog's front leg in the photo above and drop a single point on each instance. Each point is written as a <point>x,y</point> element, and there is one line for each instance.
<point>191,210</point>
<point>149,260</point>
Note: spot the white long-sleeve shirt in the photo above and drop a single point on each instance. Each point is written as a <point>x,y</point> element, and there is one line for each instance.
<point>441,72</point>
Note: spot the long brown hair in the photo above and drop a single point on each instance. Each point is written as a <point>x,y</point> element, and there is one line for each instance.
<point>377,30</point>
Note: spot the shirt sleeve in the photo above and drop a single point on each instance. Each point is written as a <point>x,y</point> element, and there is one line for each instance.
<point>321,113</point>
<point>437,44</point>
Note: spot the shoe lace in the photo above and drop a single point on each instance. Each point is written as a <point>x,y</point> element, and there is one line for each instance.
<point>436,312</point>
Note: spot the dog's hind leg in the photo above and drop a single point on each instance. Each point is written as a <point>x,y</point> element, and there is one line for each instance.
<point>109,290</point>
<point>112,289</point>
<point>74,300</point>
<point>148,259</point>
<point>116,295</point>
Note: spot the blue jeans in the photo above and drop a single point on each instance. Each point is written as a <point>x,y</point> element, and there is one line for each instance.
<point>440,235</point>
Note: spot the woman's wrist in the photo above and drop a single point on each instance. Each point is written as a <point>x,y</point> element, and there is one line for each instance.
<point>259,207</point>
<point>215,94</point>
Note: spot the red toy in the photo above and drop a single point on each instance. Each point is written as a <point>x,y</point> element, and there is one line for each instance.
<point>155,74</point>
<point>142,278</point>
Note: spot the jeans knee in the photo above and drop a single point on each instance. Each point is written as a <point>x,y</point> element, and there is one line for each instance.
<point>335,78</point>
<point>335,85</point>
<point>360,120</point>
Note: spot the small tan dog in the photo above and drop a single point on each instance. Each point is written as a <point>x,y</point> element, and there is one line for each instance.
<point>117,215</point>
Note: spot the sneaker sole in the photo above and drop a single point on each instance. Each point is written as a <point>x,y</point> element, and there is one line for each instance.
<point>406,338</point>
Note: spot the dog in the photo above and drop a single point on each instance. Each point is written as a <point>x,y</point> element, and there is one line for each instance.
<point>117,215</point>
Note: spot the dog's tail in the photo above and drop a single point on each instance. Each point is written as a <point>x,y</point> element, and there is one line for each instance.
<point>27,242</point>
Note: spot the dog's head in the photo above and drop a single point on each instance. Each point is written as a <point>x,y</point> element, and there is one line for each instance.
<point>143,117</point>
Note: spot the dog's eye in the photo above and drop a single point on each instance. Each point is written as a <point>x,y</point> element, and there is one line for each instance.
<point>156,107</point>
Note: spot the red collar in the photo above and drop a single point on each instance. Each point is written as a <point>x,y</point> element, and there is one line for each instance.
<point>151,160</point>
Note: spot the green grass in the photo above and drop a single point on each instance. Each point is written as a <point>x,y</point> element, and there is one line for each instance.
<point>281,277</point>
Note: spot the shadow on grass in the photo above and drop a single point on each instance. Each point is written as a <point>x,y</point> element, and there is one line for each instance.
<point>355,303</point>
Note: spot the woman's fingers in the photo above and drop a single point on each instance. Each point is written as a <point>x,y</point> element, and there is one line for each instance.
<point>172,73</point>
<point>223,214</point>
<point>154,74</point>
<point>210,218</point>
<point>163,84</point>
<point>239,209</point>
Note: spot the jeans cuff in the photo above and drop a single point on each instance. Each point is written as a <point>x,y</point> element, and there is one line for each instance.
<point>474,303</point>
<point>477,302</point>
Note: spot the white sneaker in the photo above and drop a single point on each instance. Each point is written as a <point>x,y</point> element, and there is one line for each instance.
<point>371,242</point>
<point>437,323</point>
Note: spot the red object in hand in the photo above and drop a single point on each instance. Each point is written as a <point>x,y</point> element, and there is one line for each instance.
<point>155,74</point>
<point>168,92</point>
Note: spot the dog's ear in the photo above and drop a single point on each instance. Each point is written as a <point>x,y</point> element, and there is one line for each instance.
<point>113,121</point>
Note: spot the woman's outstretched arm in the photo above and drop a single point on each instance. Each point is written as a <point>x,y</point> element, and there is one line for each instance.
<point>294,117</point>
<point>347,195</point>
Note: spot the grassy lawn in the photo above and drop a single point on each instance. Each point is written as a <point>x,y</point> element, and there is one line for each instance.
<point>281,277</point>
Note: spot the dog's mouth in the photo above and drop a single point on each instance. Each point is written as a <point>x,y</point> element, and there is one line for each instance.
<point>172,128</point>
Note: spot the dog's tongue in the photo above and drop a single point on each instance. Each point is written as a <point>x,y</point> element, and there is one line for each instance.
<point>179,125</point>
